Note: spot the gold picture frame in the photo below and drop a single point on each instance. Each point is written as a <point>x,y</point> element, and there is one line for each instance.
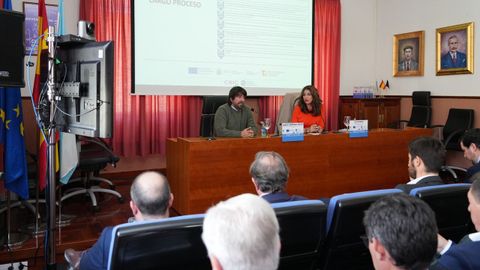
<point>408,54</point>
<point>455,49</point>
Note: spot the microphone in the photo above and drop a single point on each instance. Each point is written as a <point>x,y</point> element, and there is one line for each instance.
<point>211,123</point>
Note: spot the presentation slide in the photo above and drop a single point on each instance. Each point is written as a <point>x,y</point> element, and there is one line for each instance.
<point>204,47</point>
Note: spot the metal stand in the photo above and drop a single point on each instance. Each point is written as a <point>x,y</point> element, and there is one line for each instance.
<point>13,239</point>
<point>51,215</point>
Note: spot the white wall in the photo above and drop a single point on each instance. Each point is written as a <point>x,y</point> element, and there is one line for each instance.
<point>71,10</point>
<point>357,62</point>
<point>395,17</point>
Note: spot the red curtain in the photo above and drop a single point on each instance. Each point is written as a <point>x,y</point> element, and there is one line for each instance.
<point>327,57</point>
<point>326,63</point>
<point>141,123</point>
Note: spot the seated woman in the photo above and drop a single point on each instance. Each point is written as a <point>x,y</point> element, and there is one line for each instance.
<point>309,110</point>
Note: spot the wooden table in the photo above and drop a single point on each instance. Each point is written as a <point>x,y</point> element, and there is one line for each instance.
<point>202,173</point>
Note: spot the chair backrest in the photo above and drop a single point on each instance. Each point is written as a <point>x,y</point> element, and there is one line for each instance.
<point>302,232</point>
<point>210,106</point>
<point>173,243</point>
<point>211,103</point>
<point>421,98</point>
<point>286,110</point>
<point>458,121</point>
<point>421,109</point>
<point>344,249</point>
<point>450,203</point>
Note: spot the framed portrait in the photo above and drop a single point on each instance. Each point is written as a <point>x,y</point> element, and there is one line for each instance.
<point>31,23</point>
<point>455,49</point>
<point>408,54</point>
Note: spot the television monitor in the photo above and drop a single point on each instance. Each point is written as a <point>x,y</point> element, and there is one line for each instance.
<point>12,48</point>
<point>85,82</point>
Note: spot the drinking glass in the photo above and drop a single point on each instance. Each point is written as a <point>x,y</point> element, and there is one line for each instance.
<point>267,124</point>
<point>346,121</point>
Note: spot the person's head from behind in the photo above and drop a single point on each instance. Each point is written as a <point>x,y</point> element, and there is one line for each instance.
<point>151,197</point>
<point>401,232</point>
<point>408,53</point>
<point>269,172</point>
<point>236,96</point>
<point>453,43</point>
<point>474,201</point>
<point>425,155</point>
<point>470,144</point>
<point>310,101</point>
<point>242,233</point>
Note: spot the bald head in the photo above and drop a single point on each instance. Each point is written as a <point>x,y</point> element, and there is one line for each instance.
<point>269,171</point>
<point>151,194</point>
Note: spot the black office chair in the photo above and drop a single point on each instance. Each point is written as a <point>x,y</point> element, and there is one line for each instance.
<point>450,203</point>
<point>302,233</point>
<point>172,243</point>
<point>421,110</point>
<point>95,155</point>
<point>344,248</point>
<point>210,106</point>
<point>458,121</point>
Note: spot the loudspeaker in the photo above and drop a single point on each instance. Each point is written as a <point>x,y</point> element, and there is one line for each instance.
<point>12,48</point>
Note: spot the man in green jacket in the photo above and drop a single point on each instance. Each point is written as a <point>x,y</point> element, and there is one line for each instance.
<point>235,119</point>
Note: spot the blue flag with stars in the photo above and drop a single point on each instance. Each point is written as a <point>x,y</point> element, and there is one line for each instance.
<point>11,136</point>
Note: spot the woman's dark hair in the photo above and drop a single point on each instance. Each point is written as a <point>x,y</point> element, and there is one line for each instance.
<point>316,102</point>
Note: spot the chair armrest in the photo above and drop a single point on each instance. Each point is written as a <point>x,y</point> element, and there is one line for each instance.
<point>454,133</point>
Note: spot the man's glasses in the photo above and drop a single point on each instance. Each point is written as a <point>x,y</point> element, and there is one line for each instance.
<point>365,240</point>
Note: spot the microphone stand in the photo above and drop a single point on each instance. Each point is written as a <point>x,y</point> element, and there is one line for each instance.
<point>51,93</point>
<point>211,122</point>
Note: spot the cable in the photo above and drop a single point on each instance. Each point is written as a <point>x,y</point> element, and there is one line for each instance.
<point>35,111</point>
<point>81,114</point>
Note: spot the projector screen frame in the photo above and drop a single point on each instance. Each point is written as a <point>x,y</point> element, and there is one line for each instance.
<point>220,90</point>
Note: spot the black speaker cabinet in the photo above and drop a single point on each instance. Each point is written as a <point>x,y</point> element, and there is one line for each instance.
<point>12,48</point>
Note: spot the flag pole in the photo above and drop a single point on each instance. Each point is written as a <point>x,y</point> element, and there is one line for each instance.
<point>50,256</point>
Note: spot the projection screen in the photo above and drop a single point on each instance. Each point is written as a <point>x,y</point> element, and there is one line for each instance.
<point>204,47</point>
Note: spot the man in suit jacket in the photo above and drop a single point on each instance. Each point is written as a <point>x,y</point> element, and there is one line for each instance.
<point>242,233</point>
<point>408,62</point>
<point>269,173</point>
<point>470,144</point>
<point>453,58</point>
<point>464,255</point>
<point>426,156</point>
<point>401,232</point>
<point>151,199</point>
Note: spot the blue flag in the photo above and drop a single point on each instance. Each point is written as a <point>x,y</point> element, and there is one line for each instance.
<point>11,136</point>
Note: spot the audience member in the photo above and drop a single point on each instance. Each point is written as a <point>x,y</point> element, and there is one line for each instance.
<point>309,110</point>
<point>465,255</point>
<point>235,119</point>
<point>401,232</point>
<point>470,143</point>
<point>270,173</point>
<point>242,233</point>
<point>150,199</point>
<point>426,156</point>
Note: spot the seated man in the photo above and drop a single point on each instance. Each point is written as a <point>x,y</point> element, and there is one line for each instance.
<point>401,232</point>
<point>269,173</point>
<point>465,255</point>
<point>150,199</point>
<point>426,156</point>
<point>235,119</point>
<point>470,143</point>
<point>242,233</point>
